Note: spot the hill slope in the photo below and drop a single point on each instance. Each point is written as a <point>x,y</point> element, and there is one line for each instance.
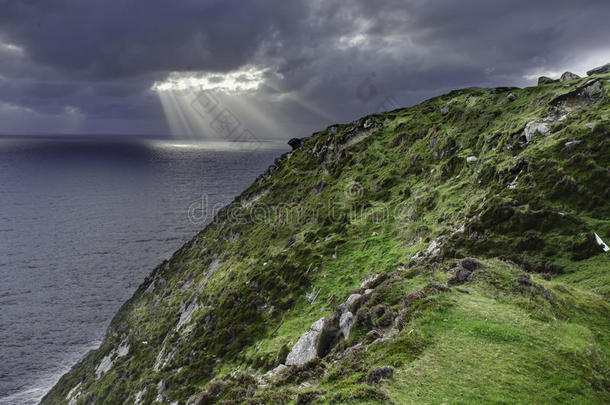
<point>444,253</point>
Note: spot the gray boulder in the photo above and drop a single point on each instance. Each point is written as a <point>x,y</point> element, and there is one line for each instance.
<point>593,90</point>
<point>567,76</point>
<point>306,349</point>
<point>346,317</point>
<point>545,80</point>
<point>533,129</point>
<point>511,97</point>
<point>599,70</point>
<point>445,110</point>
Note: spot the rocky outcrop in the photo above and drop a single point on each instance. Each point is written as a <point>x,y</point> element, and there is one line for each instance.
<point>306,348</point>
<point>535,128</point>
<point>296,143</point>
<point>599,70</point>
<point>542,80</point>
<point>567,76</point>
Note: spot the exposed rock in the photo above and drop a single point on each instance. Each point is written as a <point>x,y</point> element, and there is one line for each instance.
<point>373,281</point>
<point>445,110</point>
<point>108,360</point>
<point>414,296</point>
<point>470,264</point>
<point>346,317</point>
<point>567,76</point>
<point>380,373</point>
<point>593,90</point>
<point>306,349</point>
<point>533,129</point>
<point>369,123</point>
<point>590,125</point>
<point>472,159</point>
<point>187,313</point>
<point>271,374</point>
<point>433,250</point>
<point>511,97</point>
<point>571,145</point>
<point>296,143</point>
<point>545,80</point>
<point>461,276</point>
<point>599,70</point>
<point>345,323</point>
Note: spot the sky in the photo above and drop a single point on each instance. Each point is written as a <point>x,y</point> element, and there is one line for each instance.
<point>262,69</point>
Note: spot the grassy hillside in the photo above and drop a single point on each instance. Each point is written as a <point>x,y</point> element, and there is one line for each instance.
<point>475,218</point>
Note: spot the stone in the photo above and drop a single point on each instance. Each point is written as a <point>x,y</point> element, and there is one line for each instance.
<point>306,348</point>
<point>380,373</point>
<point>567,76</point>
<point>542,80</point>
<point>511,97</point>
<point>470,264</point>
<point>593,90</point>
<point>533,129</point>
<point>445,110</point>
<point>461,276</point>
<point>349,302</point>
<point>271,374</point>
<point>295,143</point>
<point>370,123</point>
<point>472,159</point>
<point>414,296</point>
<point>571,145</point>
<point>346,317</point>
<point>590,125</point>
<point>372,281</point>
<point>599,70</point>
<point>345,323</point>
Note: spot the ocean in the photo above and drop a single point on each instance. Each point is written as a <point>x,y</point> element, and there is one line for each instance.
<point>82,221</point>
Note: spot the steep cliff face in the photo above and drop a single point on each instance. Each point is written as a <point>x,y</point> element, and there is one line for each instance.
<point>448,252</point>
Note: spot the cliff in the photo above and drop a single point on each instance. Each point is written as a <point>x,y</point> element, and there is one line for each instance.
<point>450,252</point>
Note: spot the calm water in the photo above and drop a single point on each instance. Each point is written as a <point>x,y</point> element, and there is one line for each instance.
<point>82,222</point>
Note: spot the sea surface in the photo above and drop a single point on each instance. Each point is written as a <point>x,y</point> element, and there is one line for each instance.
<point>82,222</point>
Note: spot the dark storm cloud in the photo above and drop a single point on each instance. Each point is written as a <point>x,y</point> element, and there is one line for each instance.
<point>343,58</point>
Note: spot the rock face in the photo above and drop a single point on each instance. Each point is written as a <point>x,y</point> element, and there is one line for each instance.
<point>306,349</point>
<point>533,129</point>
<point>542,80</point>
<point>346,319</point>
<point>593,90</point>
<point>295,143</point>
<point>567,76</point>
<point>599,70</point>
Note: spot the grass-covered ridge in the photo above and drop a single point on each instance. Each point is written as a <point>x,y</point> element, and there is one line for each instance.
<point>408,195</point>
